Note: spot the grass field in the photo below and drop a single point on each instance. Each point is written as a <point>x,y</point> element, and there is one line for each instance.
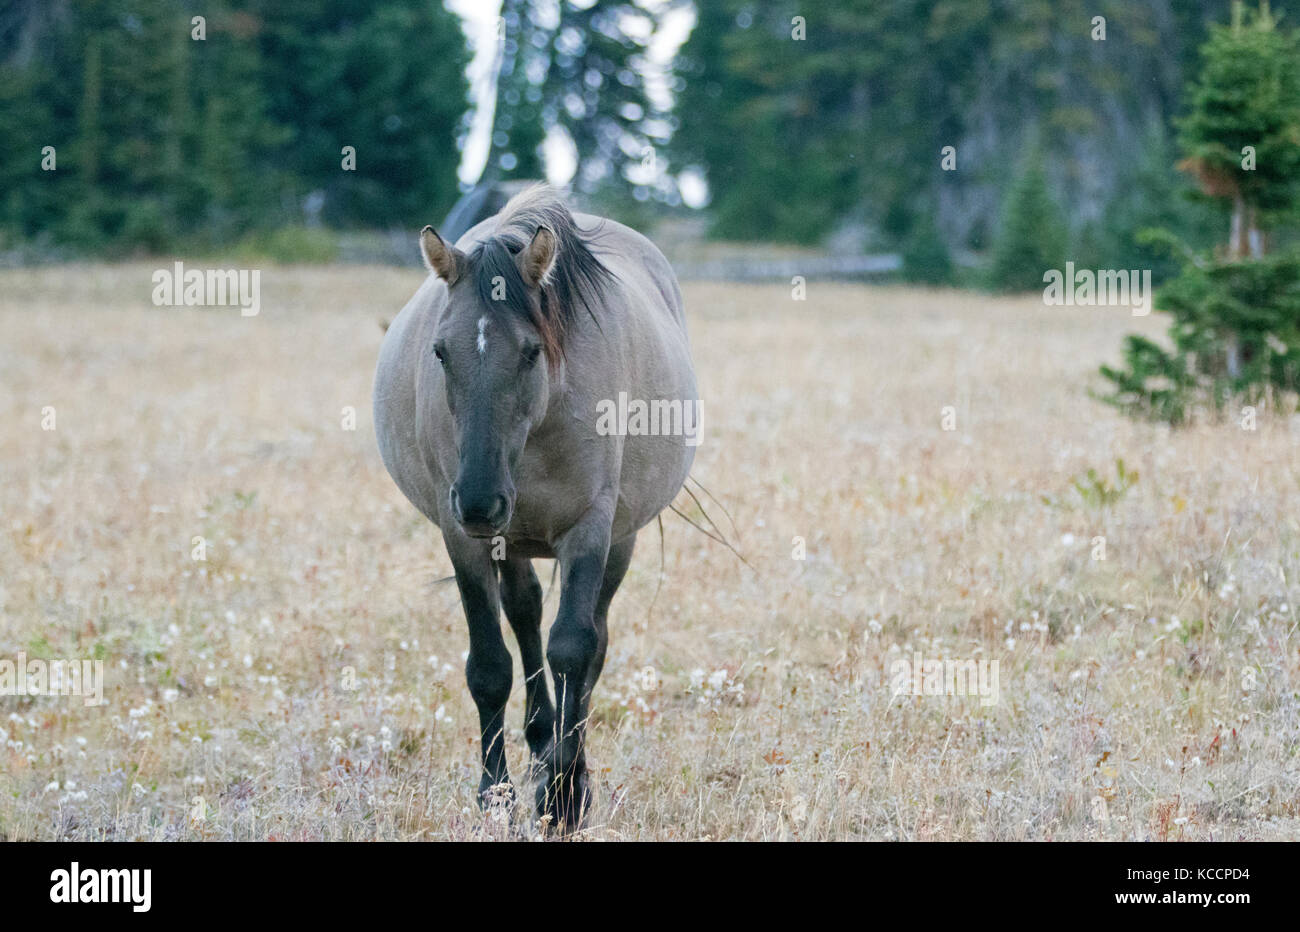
<point>305,680</point>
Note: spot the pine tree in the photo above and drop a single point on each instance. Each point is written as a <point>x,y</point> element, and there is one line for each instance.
<point>387,79</point>
<point>925,254</point>
<point>583,73</point>
<point>1242,137</point>
<point>764,114</point>
<point>1032,236</point>
<point>1236,315</point>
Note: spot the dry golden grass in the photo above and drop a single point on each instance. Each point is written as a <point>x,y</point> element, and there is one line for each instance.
<point>1124,680</point>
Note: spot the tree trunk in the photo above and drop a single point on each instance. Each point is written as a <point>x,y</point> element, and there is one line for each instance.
<point>1243,241</point>
<point>1254,235</point>
<point>1237,237</point>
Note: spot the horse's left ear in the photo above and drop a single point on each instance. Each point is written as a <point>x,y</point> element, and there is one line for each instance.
<point>538,258</point>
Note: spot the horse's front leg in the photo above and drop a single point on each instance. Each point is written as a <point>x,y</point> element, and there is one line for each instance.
<point>489,669</point>
<point>571,651</point>
<point>521,597</point>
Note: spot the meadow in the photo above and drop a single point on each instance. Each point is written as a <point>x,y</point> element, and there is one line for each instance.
<point>194,497</point>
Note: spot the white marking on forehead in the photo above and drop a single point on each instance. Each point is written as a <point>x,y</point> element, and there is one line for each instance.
<point>482,335</point>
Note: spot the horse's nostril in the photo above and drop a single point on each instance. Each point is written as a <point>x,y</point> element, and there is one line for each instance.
<point>487,510</point>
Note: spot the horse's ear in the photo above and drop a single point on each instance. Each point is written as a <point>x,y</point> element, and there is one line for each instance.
<point>442,259</point>
<point>538,258</point>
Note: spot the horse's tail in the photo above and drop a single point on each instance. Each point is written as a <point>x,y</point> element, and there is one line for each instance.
<point>716,533</point>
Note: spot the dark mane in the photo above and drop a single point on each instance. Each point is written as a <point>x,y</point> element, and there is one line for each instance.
<point>577,278</point>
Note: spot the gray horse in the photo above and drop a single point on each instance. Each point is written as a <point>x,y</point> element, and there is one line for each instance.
<point>490,406</point>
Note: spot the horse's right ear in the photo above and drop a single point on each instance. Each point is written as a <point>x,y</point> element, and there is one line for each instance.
<point>443,260</point>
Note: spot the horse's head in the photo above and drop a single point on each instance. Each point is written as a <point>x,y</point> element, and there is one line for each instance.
<point>489,341</point>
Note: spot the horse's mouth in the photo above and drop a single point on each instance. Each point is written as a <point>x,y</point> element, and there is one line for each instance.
<point>481,531</point>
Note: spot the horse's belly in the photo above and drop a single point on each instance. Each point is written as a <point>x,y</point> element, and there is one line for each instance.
<point>649,482</point>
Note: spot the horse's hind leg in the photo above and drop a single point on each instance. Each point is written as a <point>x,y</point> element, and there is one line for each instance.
<point>521,596</point>
<point>616,564</point>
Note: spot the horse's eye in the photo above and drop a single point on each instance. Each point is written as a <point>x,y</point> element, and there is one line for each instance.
<point>437,351</point>
<point>531,352</point>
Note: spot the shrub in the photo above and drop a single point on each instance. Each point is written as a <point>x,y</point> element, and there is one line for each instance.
<point>309,245</point>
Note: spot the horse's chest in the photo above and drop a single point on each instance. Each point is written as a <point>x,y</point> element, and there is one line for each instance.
<point>552,493</point>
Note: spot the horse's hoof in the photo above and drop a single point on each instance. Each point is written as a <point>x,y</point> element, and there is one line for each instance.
<point>562,802</point>
<point>496,796</point>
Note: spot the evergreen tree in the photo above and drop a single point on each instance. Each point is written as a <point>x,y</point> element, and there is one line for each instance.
<point>1242,135</point>
<point>387,79</point>
<point>581,72</point>
<point>848,120</point>
<point>162,139</point>
<point>28,194</point>
<point>1236,315</point>
<point>1032,237</point>
<point>755,112</point>
<point>925,255</point>
<point>124,126</point>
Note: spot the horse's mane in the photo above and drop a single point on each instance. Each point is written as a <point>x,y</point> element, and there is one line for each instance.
<point>577,277</point>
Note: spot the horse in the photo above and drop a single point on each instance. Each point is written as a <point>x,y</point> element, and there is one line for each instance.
<point>489,401</point>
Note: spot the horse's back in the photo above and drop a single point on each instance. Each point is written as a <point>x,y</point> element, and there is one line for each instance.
<point>631,256</point>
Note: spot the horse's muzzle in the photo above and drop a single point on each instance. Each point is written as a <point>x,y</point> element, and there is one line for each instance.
<point>484,514</point>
